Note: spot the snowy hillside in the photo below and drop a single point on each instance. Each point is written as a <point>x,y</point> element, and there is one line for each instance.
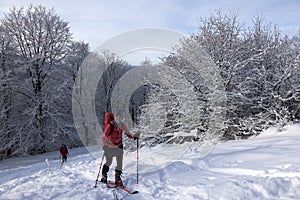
<point>265,167</point>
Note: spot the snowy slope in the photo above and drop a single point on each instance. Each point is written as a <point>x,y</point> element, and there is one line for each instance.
<point>264,167</point>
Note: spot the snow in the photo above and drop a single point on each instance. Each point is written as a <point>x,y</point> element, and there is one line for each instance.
<point>262,167</point>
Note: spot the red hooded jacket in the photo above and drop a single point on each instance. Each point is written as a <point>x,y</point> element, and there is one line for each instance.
<point>112,136</point>
<point>64,151</point>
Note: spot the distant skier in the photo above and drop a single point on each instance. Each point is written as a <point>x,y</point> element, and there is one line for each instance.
<point>113,145</point>
<point>64,152</point>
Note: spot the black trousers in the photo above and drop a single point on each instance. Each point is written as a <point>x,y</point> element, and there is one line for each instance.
<point>109,154</point>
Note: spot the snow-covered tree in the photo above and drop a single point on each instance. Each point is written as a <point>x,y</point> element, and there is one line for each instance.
<point>78,51</point>
<point>259,68</point>
<point>172,105</point>
<point>255,65</point>
<point>7,56</point>
<point>263,71</point>
<point>40,87</point>
<point>116,67</point>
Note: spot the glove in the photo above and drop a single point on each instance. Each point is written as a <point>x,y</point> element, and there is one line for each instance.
<point>136,136</point>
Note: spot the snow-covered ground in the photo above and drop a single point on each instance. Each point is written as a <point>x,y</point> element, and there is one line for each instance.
<point>264,167</point>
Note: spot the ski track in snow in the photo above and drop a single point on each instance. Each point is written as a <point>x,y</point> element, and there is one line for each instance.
<point>264,167</point>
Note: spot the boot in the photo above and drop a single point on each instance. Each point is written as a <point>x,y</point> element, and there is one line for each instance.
<point>118,180</point>
<point>104,174</point>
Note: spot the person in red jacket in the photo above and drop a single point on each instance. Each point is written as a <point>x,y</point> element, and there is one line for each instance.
<point>64,152</point>
<point>113,145</point>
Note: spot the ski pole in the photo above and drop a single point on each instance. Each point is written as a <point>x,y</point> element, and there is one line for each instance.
<point>60,162</point>
<point>99,171</point>
<point>49,167</point>
<point>137,161</point>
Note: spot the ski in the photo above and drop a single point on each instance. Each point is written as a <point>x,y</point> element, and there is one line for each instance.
<point>111,184</point>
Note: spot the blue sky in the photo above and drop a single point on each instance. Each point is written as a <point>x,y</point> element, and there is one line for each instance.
<point>95,21</point>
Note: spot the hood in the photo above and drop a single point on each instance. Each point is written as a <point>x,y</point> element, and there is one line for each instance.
<point>109,116</point>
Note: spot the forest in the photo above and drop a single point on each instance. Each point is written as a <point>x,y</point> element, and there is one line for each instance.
<point>39,61</point>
